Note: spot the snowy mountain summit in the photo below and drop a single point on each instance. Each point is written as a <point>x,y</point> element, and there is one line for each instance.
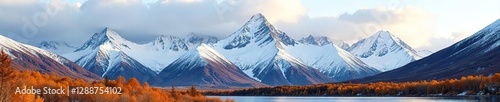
<point>107,54</point>
<point>384,51</point>
<point>257,48</point>
<point>474,55</point>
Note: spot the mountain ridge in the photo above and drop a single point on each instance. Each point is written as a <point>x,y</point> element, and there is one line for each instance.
<point>27,57</point>
<point>384,51</point>
<point>204,67</point>
<point>473,55</point>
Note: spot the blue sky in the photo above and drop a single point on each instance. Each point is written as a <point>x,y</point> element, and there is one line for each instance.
<point>423,24</point>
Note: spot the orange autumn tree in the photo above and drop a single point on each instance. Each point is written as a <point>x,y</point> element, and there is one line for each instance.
<point>7,74</point>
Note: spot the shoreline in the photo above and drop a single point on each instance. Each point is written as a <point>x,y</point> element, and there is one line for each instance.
<point>362,96</point>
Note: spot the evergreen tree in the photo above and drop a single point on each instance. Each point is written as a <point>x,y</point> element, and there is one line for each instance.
<point>172,92</point>
<point>192,91</point>
<point>106,80</point>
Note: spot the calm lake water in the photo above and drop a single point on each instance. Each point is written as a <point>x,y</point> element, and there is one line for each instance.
<point>361,99</point>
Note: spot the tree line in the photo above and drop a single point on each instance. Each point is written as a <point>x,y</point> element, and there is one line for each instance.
<point>467,85</point>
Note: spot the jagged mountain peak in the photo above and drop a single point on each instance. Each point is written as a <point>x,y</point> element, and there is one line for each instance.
<point>321,40</point>
<point>106,35</point>
<point>257,30</point>
<point>163,38</point>
<point>380,40</point>
<point>383,33</point>
<point>194,38</point>
<point>384,51</point>
<point>474,55</point>
<point>309,40</point>
<point>173,43</point>
<point>258,22</point>
<point>107,53</point>
<point>109,34</point>
<point>113,35</point>
<point>258,48</point>
<point>385,36</point>
<point>258,16</point>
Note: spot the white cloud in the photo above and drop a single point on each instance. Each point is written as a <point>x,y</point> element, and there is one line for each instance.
<point>274,10</point>
<point>17,2</point>
<point>412,25</point>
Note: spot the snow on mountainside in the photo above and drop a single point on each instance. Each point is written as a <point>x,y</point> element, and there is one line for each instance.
<point>329,59</point>
<point>384,51</point>
<point>166,49</point>
<point>56,47</point>
<point>474,55</point>
<point>257,49</point>
<point>160,52</point>
<point>106,54</point>
<point>205,67</point>
<point>26,57</point>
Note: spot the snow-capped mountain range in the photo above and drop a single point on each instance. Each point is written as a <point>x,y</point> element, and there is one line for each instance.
<point>257,48</point>
<point>107,53</point>
<point>330,59</point>
<point>384,51</point>
<point>474,55</point>
<point>257,54</point>
<point>204,66</point>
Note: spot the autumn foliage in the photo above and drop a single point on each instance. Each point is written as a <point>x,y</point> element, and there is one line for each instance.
<point>468,85</point>
<point>133,91</point>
